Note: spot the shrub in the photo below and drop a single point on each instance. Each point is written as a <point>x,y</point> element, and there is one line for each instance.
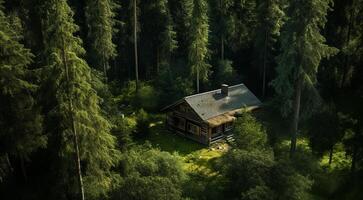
<point>150,174</point>
<point>249,133</point>
<point>142,124</point>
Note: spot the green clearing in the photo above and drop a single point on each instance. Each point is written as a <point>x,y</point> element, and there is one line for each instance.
<point>196,157</point>
<point>200,159</point>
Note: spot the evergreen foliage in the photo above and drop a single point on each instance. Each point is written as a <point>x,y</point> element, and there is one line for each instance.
<point>198,50</point>
<point>302,49</point>
<point>76,108</point>
<point>150,174</point>
<point>253,172</point>
<point>71,111</point>
<point>249,134</point>
<point>20,119</point>
<point>270,18</point>
<point>100,18</point>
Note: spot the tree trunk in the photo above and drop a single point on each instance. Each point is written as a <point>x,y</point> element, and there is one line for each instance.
<point>135,47</point>
<point>73,126</point>
<point>354,159</point>
<point>22,165</point>
<point>105,67</point>
<point>8,162</point>
<point>157,61</point>
<point>221,4</point>
<point>264,66</point>
<point>296,114</point>
<point>331,154</point>
<point>346,57</point>
<point>197,80</point>
<point>222,47</point>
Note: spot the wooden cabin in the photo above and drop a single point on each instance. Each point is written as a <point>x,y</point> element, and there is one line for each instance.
<point>208,117</point>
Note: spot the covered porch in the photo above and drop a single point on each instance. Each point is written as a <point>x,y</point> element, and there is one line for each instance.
<point>220,126</point>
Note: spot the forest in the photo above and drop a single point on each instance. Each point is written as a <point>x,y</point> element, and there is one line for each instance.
<point>83,84</point>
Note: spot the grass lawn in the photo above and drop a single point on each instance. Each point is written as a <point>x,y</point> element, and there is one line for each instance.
<point>196,157</point>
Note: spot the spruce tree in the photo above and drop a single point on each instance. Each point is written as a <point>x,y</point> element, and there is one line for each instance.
<point>198,49</point>
<point>20,119</point>
<point>82,135</point>
<point>244,21</point>
<point>100,19</point>
<point>181,11</point>
<point>352,35</point>
<point>225,21</point>
<point>270,20</point>
<point>158,27</point>
<point>302,49</point>
<point>167,38</point>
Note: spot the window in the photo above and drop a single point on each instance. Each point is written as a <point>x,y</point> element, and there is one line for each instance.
<point>178,122</point>
<point>184,108</point>
<point>192,128</point>
<point>217,130</point>
<point>228,126</point>
<point>203,130</point>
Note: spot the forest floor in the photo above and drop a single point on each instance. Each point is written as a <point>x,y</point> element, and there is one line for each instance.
<point>201,159</point>
<point>196,157</point>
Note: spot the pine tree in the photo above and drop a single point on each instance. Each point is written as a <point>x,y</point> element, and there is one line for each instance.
<point>74,119</point>
<point>100,19</point>
<point>20,119</point>
<point>198,49</point>
<point>270,18</point>
<point>303,47</point>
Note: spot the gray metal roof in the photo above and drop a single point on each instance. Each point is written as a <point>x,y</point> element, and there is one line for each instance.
<point>213,103</point>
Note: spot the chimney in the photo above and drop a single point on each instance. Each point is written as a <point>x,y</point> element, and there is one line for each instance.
<point>224,89</point>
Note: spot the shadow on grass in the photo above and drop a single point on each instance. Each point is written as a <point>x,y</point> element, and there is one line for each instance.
<point>171,142</point>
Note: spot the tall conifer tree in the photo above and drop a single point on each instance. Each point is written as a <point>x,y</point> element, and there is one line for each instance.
<point>303,47</point>
<point>101,26</point>
<point>198,49</point>
<point>270,18</point>
<point>85,146</point>
<point>225,21</point>
<point>20,119</point>
<point>167,38</point>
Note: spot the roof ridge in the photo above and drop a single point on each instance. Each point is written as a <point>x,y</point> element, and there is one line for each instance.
<point>194,95</point>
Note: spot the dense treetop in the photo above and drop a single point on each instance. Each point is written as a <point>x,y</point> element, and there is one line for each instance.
<point>82,83</point>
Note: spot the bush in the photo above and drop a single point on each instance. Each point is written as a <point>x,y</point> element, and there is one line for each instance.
<point>150,174</point>
<point>253,172</point>
<point>142,124</point>
<point>173,87</point>
<point>123,127</point>
<point>225,72</point>
<point>246,171</point>
<point>249,133</point>
<point>147,97</point>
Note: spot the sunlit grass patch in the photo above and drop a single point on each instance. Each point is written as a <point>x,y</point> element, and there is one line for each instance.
<point>202,160</point>
<point>196,157</point>
<point>340,160</point>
